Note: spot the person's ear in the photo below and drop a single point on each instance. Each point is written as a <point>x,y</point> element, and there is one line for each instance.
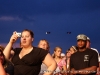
<point>32,39</point>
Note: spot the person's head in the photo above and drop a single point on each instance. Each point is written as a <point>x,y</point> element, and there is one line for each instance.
<point>57,52</point>
<point>62,55</point>
<point>2,57</point>
<point>68,54</point>
<point>73,49</point>
<point>2,47</point>
<point>81,41</point>
<point>99,57</point>
<point>88,42</point>
<point>27,38</point>
<point>44,44</point>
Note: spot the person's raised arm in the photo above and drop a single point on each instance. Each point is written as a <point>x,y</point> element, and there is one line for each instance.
<point>9,45</point>
<point>50,63</point>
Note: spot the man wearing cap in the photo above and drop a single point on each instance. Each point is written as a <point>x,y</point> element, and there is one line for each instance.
<point>85,60</point>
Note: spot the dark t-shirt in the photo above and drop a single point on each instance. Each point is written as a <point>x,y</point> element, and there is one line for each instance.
<point>30,64</point>
<point>85,59</point>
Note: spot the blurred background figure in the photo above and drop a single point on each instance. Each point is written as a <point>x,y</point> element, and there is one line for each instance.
<point>2,70</point>
<point>68,55</point>
<point>5,65</point>
<point>98,70</point>
<point>73,49</point>
<point>44,44</point>
<point>63,56</point>
<point>89,46</point>
<point>69,52</point>
<point>2,47</point>
<point>61,64</point>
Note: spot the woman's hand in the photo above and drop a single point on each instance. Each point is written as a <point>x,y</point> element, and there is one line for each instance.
<point>14,37</point>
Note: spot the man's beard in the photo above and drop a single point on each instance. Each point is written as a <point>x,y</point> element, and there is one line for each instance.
<point>82,47</point>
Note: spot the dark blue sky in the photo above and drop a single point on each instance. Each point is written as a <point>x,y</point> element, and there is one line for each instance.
<point>56,16</point>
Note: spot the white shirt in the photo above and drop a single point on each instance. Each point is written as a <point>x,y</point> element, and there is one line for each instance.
<point>43,69</point>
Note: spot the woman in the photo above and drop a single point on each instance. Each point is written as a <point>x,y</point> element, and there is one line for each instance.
<point>98,69</point>
<point>73,49</point>
<point>6,66</point>
<point>28,59</point>
<point>2,71</point>
<point>69,52</point>
<point>44,45</point>
<point>61,64</point>
<point>68,55</point>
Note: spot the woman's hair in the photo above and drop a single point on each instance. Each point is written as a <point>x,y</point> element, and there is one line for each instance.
<point>75,48</point>
<point>31,33</point>
<point>55,49</point>
<point>67,51</point>
<point>3,56</point>
<point>6,62</point>
<point>48,46</point>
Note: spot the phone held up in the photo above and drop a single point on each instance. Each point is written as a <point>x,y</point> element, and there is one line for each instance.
<point>19,34</point>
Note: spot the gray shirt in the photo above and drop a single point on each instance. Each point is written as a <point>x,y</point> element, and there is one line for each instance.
<point>43,68</point>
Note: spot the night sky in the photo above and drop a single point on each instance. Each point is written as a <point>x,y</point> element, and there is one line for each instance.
<point>55,16</point>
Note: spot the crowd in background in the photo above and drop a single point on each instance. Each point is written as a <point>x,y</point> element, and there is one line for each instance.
<point>29,60</point>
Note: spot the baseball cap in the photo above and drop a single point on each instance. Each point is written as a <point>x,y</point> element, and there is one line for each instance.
<point>81,37</point>
<point>88,38</point>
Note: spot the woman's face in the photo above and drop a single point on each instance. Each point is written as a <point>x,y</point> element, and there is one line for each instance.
<point>68,54</point>
<point>43,45</point>
<point>1,57</point>
<point>71,50</point>
<point>99,59</point>
<point>26,39</point>
<point>58,52</point>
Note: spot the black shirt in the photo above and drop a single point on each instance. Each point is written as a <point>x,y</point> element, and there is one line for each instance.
<point>85,59</point>
<point>30,64</point>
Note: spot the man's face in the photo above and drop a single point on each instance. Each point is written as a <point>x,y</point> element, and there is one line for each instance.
<point>81,44</point>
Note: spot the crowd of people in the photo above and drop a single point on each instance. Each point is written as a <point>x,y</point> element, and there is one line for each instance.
<point>30,60</point>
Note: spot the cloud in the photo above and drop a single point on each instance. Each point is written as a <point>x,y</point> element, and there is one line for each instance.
<point>9,18</point>
<point>18,18</point>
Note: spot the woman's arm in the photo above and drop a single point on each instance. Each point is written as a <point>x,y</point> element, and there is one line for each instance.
<point>9,45</point>
<point>64,70</point>
<point>50,63</point>
<point>7,50</point>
